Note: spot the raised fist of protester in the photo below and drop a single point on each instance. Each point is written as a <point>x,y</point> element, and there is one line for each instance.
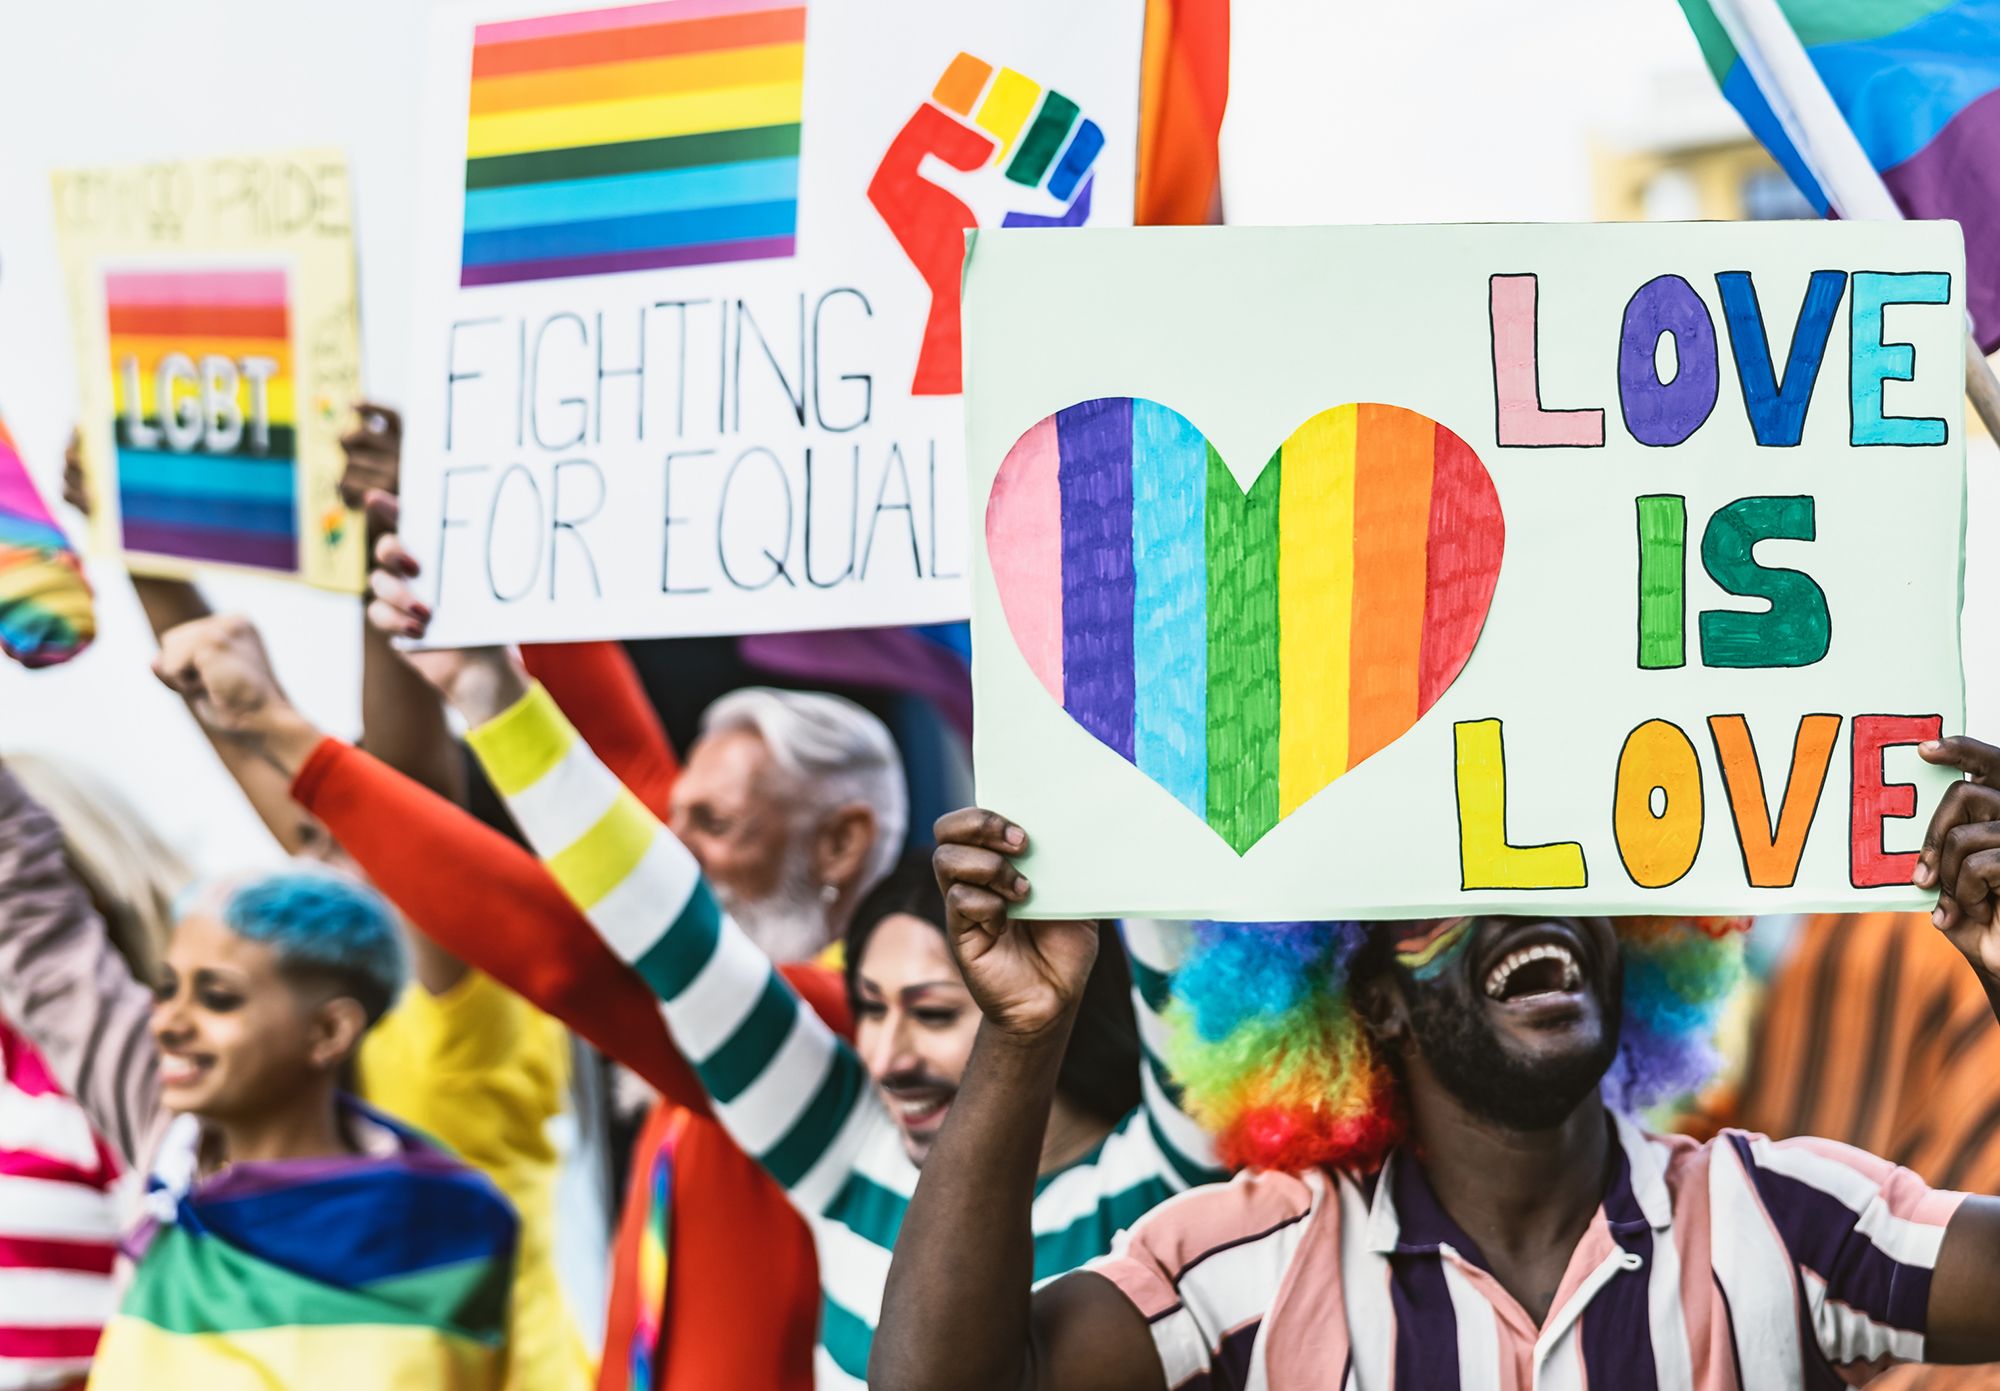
<point>1027,977</point>
<point>1961,852</point>
<point>218,664</point>
<point>480,681</point>
<point>374,450</point>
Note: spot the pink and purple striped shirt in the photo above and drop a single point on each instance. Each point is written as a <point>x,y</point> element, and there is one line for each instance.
<point>58,1227</point>
<point>1737,1265</point>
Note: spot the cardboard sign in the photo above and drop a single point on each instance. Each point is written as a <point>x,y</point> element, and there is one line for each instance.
<point>689,270</point>
<point>218,347</point>
<point>1406,571</point>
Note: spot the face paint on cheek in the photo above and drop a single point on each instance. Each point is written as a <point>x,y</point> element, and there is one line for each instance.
<point>1427,954</point>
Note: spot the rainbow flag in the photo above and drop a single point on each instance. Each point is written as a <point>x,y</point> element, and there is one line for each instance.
<point>1918,81</point>
<point>46,616</point>
<point>321,1275</point>
<point>636,138</point>
<point>203,385</point>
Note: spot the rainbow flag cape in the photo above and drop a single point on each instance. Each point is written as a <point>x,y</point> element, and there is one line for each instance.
<point>1918,81</point>
<point>318,1275</point>
<point>45,609</point>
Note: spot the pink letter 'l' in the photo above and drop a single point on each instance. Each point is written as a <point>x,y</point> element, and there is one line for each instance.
<point>1516,377</point>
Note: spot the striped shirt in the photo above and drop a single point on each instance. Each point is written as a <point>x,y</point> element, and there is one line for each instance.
<point>58,1227</point>
<point>1743,1264</point>
<point>789,1089</point>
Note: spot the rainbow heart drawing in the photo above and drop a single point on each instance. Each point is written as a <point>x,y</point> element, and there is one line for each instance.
<point>1244,650</point>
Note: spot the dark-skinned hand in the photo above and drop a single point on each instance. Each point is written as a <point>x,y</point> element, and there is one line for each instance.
<point>1027,977</point>
<point>1961,853</point>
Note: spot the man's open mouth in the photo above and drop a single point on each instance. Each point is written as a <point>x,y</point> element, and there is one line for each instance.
<point>1541,962</point>
<point>1540,970</point>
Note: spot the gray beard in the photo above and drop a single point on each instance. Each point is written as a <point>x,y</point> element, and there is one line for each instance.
<point>787,924</point>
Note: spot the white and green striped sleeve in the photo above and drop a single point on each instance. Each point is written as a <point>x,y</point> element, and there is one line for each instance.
<point>789,1090</point>
<point>1156,950</point>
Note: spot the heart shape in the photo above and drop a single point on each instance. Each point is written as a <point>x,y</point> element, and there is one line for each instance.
<point>1243,650</point>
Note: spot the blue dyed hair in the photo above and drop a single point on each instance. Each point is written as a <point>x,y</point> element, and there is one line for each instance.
<point>327,927</point>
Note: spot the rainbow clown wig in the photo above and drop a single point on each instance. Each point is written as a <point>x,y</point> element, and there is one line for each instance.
<point>1274,1059</point>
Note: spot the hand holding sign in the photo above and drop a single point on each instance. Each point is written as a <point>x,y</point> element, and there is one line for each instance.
<point>1961,854</point>
<point>1027,977</point>
<point>1053,152</point>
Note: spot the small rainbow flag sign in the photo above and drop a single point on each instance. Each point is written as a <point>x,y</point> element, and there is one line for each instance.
<point>637,138</point>
<point>202,373</point>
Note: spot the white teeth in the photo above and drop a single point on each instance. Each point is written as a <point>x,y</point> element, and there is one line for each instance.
<point>1572,975</point>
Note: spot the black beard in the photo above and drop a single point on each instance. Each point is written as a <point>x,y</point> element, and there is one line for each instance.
<point>1471,1064</point>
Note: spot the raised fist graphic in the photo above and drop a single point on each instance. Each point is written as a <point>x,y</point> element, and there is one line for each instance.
<point>978,119</point>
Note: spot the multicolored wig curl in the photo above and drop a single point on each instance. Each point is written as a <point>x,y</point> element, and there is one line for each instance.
<point>1273,1057</point>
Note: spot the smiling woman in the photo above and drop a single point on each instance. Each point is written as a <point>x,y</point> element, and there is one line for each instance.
<point>915,1021</point>
<point>368,1248</point>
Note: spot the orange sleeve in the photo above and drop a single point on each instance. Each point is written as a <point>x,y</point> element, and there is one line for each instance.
<point>597,687</point>
<point>493,905</point>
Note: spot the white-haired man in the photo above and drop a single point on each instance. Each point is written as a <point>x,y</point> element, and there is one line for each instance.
<point>795,806</point>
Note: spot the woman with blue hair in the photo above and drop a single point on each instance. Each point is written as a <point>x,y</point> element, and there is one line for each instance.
<point>291,1236</point>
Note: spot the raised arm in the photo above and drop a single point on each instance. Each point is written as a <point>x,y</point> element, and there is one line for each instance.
<point>597,687</point>
<point>482,896</point>
<point>785,1085</point>
<point>1961,860</point>
<point>492,904</point>
<point>957,1312</point>
<point>64,986</point>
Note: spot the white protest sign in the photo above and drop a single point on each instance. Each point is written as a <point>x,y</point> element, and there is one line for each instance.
<point>1406,571</point>
<point>688,298</point>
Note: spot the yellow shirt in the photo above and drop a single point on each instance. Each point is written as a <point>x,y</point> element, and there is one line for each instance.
<point>482,1071</point>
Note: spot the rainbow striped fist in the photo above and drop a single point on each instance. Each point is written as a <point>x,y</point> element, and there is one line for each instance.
<point>978,118</point>
<point>46,616</point>
<point>1243,650</point>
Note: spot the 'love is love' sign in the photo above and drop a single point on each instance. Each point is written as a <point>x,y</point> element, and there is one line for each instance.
<point>1388,572</point>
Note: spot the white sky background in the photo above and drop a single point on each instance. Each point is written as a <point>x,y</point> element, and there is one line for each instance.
<point>1445,110</point>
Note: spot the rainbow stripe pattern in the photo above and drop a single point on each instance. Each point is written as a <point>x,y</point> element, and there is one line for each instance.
<point>197,478</point>
<point>655,1244</point>
<point>1053,145</point>
<point>322,1275</point>
<point>46,614</point>
<point>1919,83</point>
<point>1243,650</point>
<point>637,138</point>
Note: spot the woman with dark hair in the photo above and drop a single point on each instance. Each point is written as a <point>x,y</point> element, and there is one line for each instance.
<point>914,1020</point>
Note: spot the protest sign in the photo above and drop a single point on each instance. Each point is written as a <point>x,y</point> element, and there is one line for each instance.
<point>1407,571</point>
<point>688,320</point>
<point>218,356</point>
